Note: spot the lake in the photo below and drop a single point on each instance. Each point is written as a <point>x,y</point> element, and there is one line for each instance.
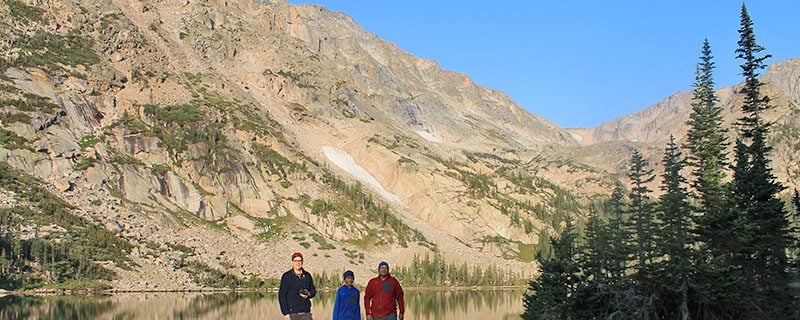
<point>420,305</point>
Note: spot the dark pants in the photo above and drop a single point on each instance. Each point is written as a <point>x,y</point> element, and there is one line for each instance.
<point>389,317</point>
<point>300,316</point>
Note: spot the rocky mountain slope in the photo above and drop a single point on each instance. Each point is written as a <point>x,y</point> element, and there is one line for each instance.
<point>218,137</point>
<point>651,127</point>
<point>214,138</point>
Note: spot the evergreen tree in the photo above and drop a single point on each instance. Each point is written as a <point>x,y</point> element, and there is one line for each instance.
<point>618,232</point>
<point>605,256</point>
<point>796,232</point>
<point>596,261</point>
<point>706,142</point>
<point>642,215</point>
<point>601,273</point>
<point>551,295</point>
<point>765,233</point>
<point>675,239</point>
<point>639,301</point>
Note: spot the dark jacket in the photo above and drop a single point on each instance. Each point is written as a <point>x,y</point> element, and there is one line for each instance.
<point>347,306</point>
<point>289,292</point>
<point>383,297</point>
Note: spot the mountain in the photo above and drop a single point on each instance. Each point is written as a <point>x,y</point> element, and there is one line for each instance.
<point>650,128</point>
<point>200,143</point>
<point>177,145</point>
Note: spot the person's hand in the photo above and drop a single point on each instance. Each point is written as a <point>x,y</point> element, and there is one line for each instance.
<point>369,317</point>
<point>286,317</point>
<point>304,296</point>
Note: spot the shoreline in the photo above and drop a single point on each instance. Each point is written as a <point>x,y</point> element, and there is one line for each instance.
<point>89,292</point>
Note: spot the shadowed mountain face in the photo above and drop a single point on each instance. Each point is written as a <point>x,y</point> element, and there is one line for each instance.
<point>215,138</point>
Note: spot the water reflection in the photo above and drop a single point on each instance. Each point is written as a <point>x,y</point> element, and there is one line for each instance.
<point>55,307</point>
<point>422,305</point>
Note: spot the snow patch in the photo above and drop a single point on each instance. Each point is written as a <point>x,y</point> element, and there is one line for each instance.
<point>427,136</point>
<point>344,161</point>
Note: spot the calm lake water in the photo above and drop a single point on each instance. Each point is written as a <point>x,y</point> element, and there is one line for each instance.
<point>420,305</point>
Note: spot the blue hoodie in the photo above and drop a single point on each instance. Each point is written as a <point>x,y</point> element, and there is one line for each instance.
<point>347,305</point>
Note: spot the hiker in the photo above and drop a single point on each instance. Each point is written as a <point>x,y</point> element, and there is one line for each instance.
<point>383,297</point>
<point>296,290</point>
<point>346,305</point>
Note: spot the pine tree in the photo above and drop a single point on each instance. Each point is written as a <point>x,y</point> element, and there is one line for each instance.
<point>796,202</point>
<point>642,215</point>
<point>638,302</point>
<point>706,142</point>
<point>621,249</point>
<point>765,228</point>
<point>796,232</point>
<point>604,260</point>
<point>675,239</point>
<point>601,273</point>
<point>551,295</point>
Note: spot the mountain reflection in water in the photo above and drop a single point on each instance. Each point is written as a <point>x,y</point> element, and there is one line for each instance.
<point>420,305</point>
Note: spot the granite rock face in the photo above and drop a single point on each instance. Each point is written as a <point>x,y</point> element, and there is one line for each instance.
<point>246,130</point>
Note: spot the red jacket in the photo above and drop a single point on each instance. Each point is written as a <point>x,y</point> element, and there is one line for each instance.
<point>384,297</point>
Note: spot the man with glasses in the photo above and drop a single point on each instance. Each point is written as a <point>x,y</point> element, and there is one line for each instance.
<point>383,297</point>
<point>296,290</point>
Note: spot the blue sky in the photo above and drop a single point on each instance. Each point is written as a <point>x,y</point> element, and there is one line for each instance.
<point>578,63</point>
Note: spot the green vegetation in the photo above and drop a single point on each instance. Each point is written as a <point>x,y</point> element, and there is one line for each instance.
<point>438,272</point>
<point>524,252</point>
<point>726,251</point>
<point>9,118</point>
<point>58,258</point>
<point>32,103</point>
<point>394,142</point>
<point>125,159</point>
<point>11,141</point>
<point>275,162</point>
<point>355,256</point>
<point>130,122</point>
<point>476,156</point>
<point>323,244</point>
<point>25,13</point>
<point>161,169</point>
<point>358,205</point>
<point>54,51</point>
<point>181,115</point>
<point>404,160</point>
<point>180,126</point>
<point>208,276</point>
<point>89,140</point>
<point>84,163</point>
<point>268,228</point>
<point>184,250</point>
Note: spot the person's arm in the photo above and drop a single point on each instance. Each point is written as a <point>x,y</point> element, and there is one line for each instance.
<point>401,303</point>
<point>367,299</point>
<point>283,292</point>
<point>312,290</point>
<point>358,304</point>
<point>337,304</point>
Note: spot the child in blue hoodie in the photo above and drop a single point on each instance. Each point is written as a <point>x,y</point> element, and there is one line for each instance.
<point>347,306</point>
